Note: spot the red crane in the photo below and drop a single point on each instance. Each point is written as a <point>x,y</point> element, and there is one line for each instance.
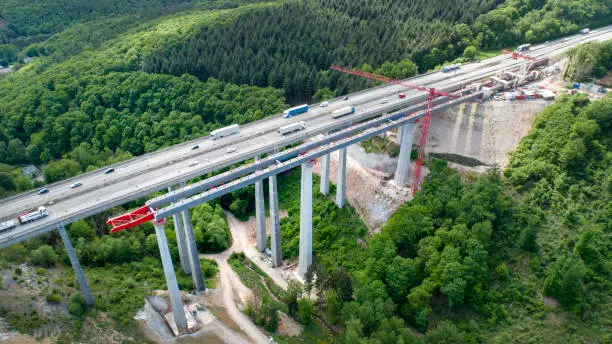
<point>516,56</point>
<point>416,173</point>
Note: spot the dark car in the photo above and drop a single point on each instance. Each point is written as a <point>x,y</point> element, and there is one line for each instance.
<point>110,170</point>
<point>43,191</point>
<point>195,147</point>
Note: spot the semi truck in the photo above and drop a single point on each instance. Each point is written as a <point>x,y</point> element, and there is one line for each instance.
<point>450,68</point>
<point>343,112</point>
<point>226,131</point>
<point>7,225</point>
<point>289,128</point>
<point>32,215</point>
<point>295,110</point>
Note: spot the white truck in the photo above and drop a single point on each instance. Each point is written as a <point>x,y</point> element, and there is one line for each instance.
<point>33,215</point>
<point>343,112</point>
<point>7,225</point>
<point>289,128</point>
<point>226,131</point>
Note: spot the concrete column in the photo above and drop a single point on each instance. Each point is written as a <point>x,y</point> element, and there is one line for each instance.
<point>403,163</point>
<point>275,240</point>
<point>181,242</point>
<point>325,175</point>
<point>306,219</point>
<point>341,185</point>
<point>173,289</point>
<point>192,251</point>
<point>78,270</point>
<point>260,215</point>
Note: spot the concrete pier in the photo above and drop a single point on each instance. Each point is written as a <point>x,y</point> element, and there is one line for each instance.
<point>173,289</point>
<point>306,220</point>
<point>181,242</point>
<point>341,186</point>
<point>192,251</point>
<point>325,175</point>
<point>275,240</point>
<point>78,270</point>
<point>260,215</point>
<point>403,163</point>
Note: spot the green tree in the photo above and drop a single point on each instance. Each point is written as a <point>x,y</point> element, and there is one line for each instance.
<point>469,52</point>
<point>304,311</point>
<point>565,282</point>
<point>323,94</point>
<point>44,256</point>
<point>290,297</point>
<point>61,169</point>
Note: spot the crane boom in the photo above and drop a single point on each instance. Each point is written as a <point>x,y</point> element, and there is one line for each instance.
<point>416,173</point>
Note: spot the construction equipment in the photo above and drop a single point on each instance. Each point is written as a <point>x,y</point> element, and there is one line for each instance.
<point>416,175</point>
<point>131,219</point>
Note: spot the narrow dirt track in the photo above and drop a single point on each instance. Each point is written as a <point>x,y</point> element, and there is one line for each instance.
<point>231,284</point>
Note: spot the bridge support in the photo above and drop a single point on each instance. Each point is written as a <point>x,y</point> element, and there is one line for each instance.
<point>325,175</point>
<point>260,215</point>
<point>78,270</point>
<point>306,219</point>
<point>341,185</point>
<point>275,240</point>
<point>406,133</point>
<point>180,241</point>
<point>173,289</point>
<point>192,251</point>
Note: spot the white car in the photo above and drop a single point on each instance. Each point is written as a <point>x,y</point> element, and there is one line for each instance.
<point>324,104</point>
<point>193,163</point>
<point>75,185</point>
<point>231,150</point>
<point>384,100</point>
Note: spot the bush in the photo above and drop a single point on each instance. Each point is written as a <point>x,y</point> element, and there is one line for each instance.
<point>564,282</point>
<point>502,271</point>
<point>76,309</point>
<point>76,304</point>
<point>44,256</point>
<point>54,298</point>
<point>305,311</point>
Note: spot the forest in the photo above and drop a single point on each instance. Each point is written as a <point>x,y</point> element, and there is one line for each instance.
<point>292,46</point>
<point>468,261</point>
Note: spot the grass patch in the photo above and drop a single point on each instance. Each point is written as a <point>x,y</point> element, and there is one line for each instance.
<point>380,145</point>
<point>251,275</point>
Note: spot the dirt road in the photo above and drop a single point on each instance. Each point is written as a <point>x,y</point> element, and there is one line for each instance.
<point>232,286</point>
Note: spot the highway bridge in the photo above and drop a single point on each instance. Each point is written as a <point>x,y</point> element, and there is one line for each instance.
<point>167,168</point>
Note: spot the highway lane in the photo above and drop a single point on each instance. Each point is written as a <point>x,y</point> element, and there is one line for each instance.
<point>146,174</point>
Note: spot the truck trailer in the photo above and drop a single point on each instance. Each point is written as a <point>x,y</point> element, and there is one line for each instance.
<point>226,131</point>
<point>33,215</point>
<point>289,128</point>
<point>295,110</point>
<point>343,112</point>
<point>7,225</point>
